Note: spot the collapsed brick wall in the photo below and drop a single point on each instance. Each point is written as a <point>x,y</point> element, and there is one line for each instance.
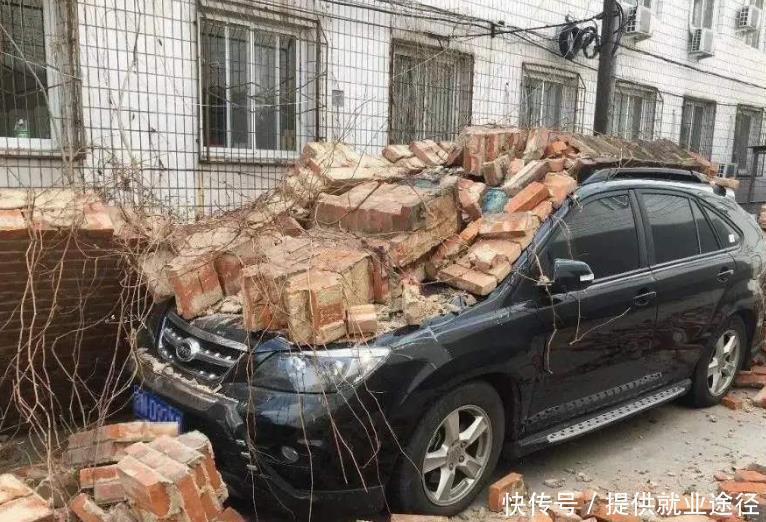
<point>348,230</point>
<point>61,305</point>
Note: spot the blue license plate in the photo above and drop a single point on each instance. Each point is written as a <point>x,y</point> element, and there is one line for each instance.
<point>148,406</point>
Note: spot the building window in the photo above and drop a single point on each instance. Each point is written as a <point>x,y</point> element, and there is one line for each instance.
<point>633,111</point>
<point>747,132</point>
<point>703,13</point>
<point>431,93</point>
<point>697,121</point>
<point>25,113</point>
<point>252,94</point>
<point>549,98</point>
<point>644,3</point>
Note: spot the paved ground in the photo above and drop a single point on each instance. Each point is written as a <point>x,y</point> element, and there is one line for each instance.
<point>670,449</point>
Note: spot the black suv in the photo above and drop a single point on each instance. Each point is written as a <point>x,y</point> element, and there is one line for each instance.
<point>645,286</point>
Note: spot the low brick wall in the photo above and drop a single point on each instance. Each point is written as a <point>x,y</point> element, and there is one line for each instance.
<point>61,287</point>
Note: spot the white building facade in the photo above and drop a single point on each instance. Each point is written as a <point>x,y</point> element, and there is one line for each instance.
<point>203,104</point>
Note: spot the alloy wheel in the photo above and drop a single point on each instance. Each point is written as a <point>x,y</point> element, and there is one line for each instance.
<point>457,455</point>
<point>723,363</point>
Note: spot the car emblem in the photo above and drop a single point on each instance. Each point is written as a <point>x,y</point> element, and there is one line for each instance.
<point>188,349</point>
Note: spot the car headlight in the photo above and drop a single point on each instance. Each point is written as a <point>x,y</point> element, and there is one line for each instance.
<point>318,371</point>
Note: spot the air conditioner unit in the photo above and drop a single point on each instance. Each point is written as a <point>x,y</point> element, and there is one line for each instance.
<point>639,23</point>
<point>749,18</point>
<point>727,170</point>
<point>701,44</point>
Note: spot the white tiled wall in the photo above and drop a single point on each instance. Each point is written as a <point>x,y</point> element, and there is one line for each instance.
<point>139,79</point>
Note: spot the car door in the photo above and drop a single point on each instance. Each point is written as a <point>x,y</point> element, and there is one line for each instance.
<point>598,346</point>
<point>692,270</point>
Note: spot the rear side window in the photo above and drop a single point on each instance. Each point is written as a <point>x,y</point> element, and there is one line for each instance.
<point>708,242</point>
<point>674,231</point>
<point>601,233</point>
<point>726,234</point>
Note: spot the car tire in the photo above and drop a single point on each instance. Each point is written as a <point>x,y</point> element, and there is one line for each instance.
<point>718,365</point>
<point>435,437</point>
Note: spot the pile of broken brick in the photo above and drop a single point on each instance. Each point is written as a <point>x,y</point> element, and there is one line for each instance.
<point>755,377</point>
<point>353,245</point>
<point>129,472</point>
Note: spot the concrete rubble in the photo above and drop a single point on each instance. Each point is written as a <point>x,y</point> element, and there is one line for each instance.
<point>353,245</point>
<point>129,472</point>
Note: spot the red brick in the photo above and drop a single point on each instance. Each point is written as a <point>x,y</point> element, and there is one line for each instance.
<point>181,476</point>
<point>12,488</point>
<point>108,491</point>
<point>361,320</point>
<point>135,431</point>
<point>87,510</point>
<point>183,454</point>
<point>529,197</point>
<point>749,475</point>
<point>469,195</point>
<point>721,476</point>
<point>467,279</point>
<point>288,225</point>
<point>99,453</point>
<point>734,487</point>
<point>380,287</point>
<point>428,152</point>
<point>394,153</point>
<point>195,283</point>
<point>506,226</point>
<point>145,487</point>
<point>732,402</point>
<point>556,148</point>
<point>198,442</point>
<point>747,379</point>
<point>556,165</point>
<point>211,505</point>
<point>543,210</point>
<point>26,509</point>
<point>470,232</point>
<point>560,186</point>
<point>511,484</point>
<point>758,369</point>
<point>494,172</point>
<point>89,476</point>
<point>12,224</point>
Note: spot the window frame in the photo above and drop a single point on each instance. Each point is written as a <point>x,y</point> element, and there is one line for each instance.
<point>709,139</point>
<point>638,222</point>
<point>753,38</point>
<point>409,48</point>
<point>691,198</point>
<point>712,14</point>
<point>548,74</point>
<point>10,144</point>
<point>646,94</point>
<point>749,156</point>
<point>252,153</point>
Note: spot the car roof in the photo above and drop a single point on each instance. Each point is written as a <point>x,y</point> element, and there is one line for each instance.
<point>652,178</point>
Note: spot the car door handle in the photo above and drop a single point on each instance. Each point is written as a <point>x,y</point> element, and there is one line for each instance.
<point>645,297</point>
<point>725,273</point>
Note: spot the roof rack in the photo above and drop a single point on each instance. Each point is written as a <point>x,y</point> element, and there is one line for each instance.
<point>685,176</point>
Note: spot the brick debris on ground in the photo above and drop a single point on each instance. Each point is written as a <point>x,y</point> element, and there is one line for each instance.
<point>130,472</point>
<point>352,245</point>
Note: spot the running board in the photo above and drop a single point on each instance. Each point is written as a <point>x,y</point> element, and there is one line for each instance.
<point>583,425</point>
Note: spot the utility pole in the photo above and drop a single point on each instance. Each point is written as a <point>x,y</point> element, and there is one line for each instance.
<point>605,85</point>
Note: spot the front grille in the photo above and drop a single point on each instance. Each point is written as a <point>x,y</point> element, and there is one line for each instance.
<point>195,352</point>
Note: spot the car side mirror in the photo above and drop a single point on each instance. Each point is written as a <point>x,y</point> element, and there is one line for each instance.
<point>570,275</point>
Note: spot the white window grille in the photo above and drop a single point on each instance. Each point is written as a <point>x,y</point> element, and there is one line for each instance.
<point>747,132</point>
<point>27,99</point>
<point>697,123</point>
<point>633,113</point>
<point>255,89</point>
<point>549,98</point>
<point>703,13</point>
<point>431,92</point>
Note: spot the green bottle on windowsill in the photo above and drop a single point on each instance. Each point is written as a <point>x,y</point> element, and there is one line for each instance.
<point>21,129</point>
